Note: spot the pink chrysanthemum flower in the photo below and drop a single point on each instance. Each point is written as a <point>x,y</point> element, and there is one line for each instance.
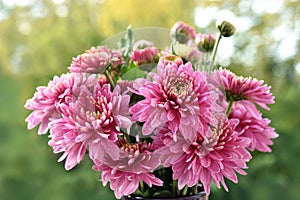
<point>135,164</point>
<point>144,56</point>
<point>48,101</point>
<point>242,88</point>
<point>133,158</point>
<point>205,159</point>
<point>94,60</point>
<point>254,127</point>
<point>125,183</point>
<point>63,134</point>
<point>177,96</point>
<point>99,115</point>
<point>182,32</point>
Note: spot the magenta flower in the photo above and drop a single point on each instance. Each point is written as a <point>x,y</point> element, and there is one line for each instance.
<point>144,56</point>
<point>94,60</point>
<point>254,127</point>
<point>178,96</point>
<point>220,155</point>
<point>49,101</point>
<point>241,88</point>
<point>125,183</point>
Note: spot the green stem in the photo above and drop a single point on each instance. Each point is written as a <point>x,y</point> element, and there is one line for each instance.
<point>215,51</point>
<point>108,77</point>
<point>174,188</point>
<point>230,104</point>
<point>142,186</point>
<point>127,137</point>
<point>184,191</point>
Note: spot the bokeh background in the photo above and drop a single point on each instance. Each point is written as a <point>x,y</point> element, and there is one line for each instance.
<point>38,39</point>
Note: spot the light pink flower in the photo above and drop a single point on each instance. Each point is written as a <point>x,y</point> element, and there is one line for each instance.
<point>219,155</point>
<point>245,88</point>
<point>254,127</point>
<point>135,164</point>
<point>48,101</point>
<point>94,60</point>
<point>177,96</point>
<point>100,114</point>
<point>63,134</point>
<point>144,56</point>
<point>125,183</point>
<point>133,158</point>
<point>182,32</point>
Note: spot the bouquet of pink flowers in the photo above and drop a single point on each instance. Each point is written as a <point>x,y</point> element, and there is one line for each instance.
<point>155,122</point>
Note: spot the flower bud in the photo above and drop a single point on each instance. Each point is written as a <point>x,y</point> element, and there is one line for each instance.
<point>205,42</point>
<point>145,56</point>
<point>170,59</point>
<point>182,32</point>
<point>142,44</point>
<point>226,28</point>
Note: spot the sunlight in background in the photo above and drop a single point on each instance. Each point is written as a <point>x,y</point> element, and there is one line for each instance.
<point>286,34</point>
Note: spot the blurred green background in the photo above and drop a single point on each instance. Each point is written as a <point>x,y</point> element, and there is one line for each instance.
<point>38,39</point>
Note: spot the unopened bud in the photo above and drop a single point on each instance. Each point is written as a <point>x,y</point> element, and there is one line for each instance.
<point>205,42</point>
<point>226,29</point>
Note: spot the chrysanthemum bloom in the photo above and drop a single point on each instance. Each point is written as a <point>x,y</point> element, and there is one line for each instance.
<point>254,127</point>
<point>99,115</point>
<point>63,134</point>
<point>48,101</point>
<point>182,32</point>
<point>205,42</point>
<point>94,60</point>
<point>177,96</point>
<point>144,56</point>
<point>91,122</point>
<point>245,88</point>
<point>135,164</point>
<point>133,158</point>
<point>170,58</point>
<point>125,183</point>
<point>206,159</point>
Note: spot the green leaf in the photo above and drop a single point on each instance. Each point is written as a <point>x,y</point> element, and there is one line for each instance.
<point>133,74</point>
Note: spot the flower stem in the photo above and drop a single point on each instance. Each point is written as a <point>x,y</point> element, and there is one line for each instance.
<point>230,104</point>
<point>184,191</point>
<point>214,53</point>
<point>108,77</point>
<point>142,186</point>
<point>174,188</point>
